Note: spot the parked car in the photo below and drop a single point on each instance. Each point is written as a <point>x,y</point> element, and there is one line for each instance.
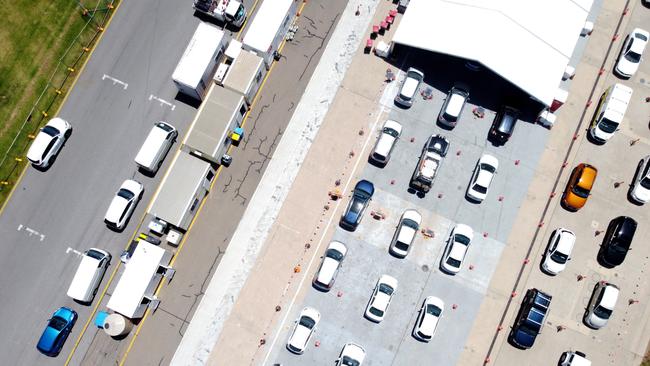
<point>381,296</point>
<point>617,241</point>
<point>503,125</point>
<point>329,267</point>
<point>56,331</point>
<point>48,142</point>
<point>631,52</point>
<point>453,106</point>
<point>486,168</point>
<point>530,318</point>
<point>352,354</point>
<point>559,251</point>
<point>361,197</point>
<point>574,358</point>
<point>304,329</point>
<point>409,87</point>
<point>457,245</point>
<point>431,157</point>
<point>123,204</point>
<point>428,319</point>
<point>640,187</point>
<point>407,229</point>
<point>386,142</point>
<point>601,305</point>
<point>579,186</point>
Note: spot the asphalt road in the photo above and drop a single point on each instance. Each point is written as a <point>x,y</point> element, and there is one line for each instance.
<point>64,206</point>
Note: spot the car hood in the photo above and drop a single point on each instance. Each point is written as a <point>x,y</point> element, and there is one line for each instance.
<point>574,201</point>
<point>35,152</point>
<point>46,342</point>
<point>523,339</point>
<point>552,266</point>
<point>640,193</point>
<point>595,321</point>
<point>626,67</point>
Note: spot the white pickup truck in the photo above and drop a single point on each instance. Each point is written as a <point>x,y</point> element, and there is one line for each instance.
<point>432,153</point>
<point>226,11</point>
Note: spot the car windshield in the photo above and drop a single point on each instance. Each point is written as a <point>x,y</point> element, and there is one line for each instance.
<point>607,125</point>
<point>448,117</point>
<point>453,262</point>
<point>461,239</point>
<point>401,246</point>
<point>602,313</point>
<point>580,192</point>
<point>390,131</point>
<point>347,361</point>
<point>645,182</point>
<point>410,223</point>
<point>125,193</point>
<point>58,323</point>
<point>559,257</point>
<point>334,254</point>
<point>376,312</point>
<point>487,167</point>
<point>633,57</point>
<point>479,188</point>
<point>95,254</point>
<point>307,322</point>
<point>433,310</point>
<point>385,289</point>
<point>165,127</point>
<point>50,131</point>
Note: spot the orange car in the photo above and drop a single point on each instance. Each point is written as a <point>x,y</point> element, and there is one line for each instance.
<point>578,187</point>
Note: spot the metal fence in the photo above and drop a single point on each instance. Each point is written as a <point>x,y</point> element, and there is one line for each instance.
<point>13,159</point>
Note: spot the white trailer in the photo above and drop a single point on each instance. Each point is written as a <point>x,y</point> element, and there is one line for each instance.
<point>268,28</point>
<point>194,70</point>
<point>141,276</point>
<point>245,75</point>
<point>226,11</point>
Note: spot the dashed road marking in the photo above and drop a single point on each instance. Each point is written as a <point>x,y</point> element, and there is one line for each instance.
<point>162,101</point>
<point>31,232</point>
<point>115,81</point>
<point>78,253</point>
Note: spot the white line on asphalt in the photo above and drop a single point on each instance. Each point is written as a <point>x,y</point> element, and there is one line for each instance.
<point>115,81</point>
<point>162,101</point>
<point>31,232</point>
<point>20,227</point>
<point>67,251</point>
<point>320,241</point>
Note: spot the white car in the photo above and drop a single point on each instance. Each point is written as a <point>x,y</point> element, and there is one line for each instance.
<point>559,251</point>
<point>601,305</point>
<point>409,88</point>
<point>406,230</point>
<point>631,52</point>
<point>381,296</point>
<point>123,204</point>
<point>427,322</point>
<point>453,106</point>
<point>48,142</point>
<point>456,250</point>
<point>304,329</point>
<point>640,188</point>
<point>352,354</point>
<point>483,174</point>
<point>386,142</point>
<point>329,267</point>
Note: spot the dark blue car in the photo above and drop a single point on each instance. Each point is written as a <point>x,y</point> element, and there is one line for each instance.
<point>57,330</point>
<point>361,196</point>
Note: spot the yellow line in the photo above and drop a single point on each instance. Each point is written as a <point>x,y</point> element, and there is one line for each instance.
<point>13,189</point>
<point>189,229</point>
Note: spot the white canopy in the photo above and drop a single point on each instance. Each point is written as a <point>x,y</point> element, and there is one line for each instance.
<point>528,43</point>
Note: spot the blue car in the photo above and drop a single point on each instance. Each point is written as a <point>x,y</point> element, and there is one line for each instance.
<point>361,196</point>
<point>56,332</point>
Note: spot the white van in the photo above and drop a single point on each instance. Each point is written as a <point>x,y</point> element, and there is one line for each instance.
<point>610,112</point>
<point>386,142</point>
<point>155,147</point>
<point>89,274</point>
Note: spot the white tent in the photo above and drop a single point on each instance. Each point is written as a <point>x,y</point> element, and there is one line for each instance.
<point>528,43</point>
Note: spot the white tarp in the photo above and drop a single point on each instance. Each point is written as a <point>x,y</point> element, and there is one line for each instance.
<point>528,43</point>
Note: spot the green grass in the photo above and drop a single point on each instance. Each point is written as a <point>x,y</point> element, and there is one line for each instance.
<point>34,36</point>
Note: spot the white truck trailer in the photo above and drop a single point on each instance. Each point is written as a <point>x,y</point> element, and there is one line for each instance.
<point>226,11</point>
<point>194,70</point>
<point>267,30</point>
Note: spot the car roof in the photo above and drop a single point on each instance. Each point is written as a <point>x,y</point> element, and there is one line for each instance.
<point>38,146</point>
<point>458,251</point>
<point>484,178</point>
<point>385,143</point>
<point>567,241</point>
<point>588,177</point>
<point>409,87</point>
<point>610,296</point>
<point>456,103</point>
<point>116,208</point>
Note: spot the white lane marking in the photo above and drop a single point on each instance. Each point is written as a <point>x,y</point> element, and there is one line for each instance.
<point>162,101</point>
<point>31,232</point>
<point>115,81</point>
<point>67,251</point>
<point>320,241</point>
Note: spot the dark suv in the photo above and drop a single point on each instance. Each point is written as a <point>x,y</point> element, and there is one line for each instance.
<point>503,125</point>
<point>530,319</point>
<point>617,240</point>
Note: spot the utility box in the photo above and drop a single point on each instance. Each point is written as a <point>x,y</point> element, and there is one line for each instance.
<point>268,28</point>
<point>195,68</point>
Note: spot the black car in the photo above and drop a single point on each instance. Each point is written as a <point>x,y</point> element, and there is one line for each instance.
<point>617,240</point>
<point>503,125</point>
<point>530,319</point>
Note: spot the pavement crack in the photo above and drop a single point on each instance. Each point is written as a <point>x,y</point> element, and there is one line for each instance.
<point>241,182</point>
<point>227,184</point>
<point>320,47</point>
<point>248,136</point>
